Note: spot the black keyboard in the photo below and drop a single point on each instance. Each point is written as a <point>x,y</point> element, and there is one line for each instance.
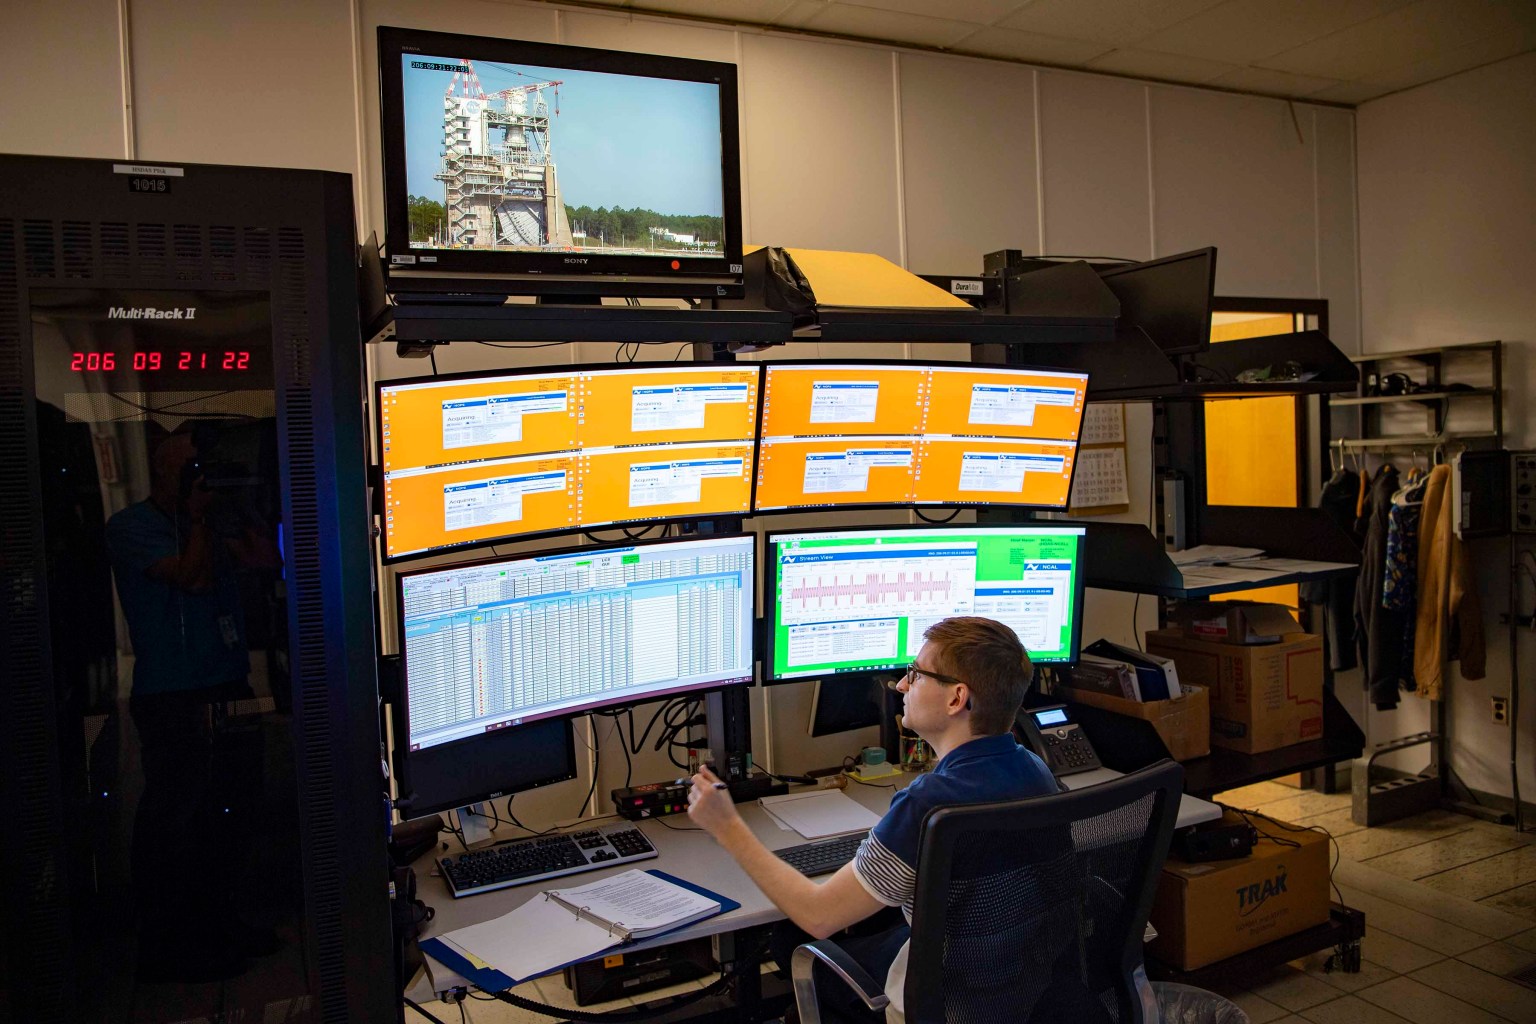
<point>822,856</point>
<point>539,857</point>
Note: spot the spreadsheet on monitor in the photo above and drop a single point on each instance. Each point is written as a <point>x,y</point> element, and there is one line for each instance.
<point>494,644</point>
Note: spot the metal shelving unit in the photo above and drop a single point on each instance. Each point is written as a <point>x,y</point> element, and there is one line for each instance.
<point>1378,802</point>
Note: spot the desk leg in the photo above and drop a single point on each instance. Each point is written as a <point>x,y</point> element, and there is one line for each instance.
<point>741,949</point>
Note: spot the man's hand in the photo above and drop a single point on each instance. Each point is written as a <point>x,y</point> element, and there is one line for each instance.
<point>710,808</point>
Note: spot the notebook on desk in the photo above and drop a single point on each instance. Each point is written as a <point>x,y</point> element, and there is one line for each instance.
<point>562,926</point>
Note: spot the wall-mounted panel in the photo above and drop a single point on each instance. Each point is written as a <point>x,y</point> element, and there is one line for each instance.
<point>60,80</point>
<point>1338,278</point>
<point>819,128</point>
<point>958,208</point>
<point>1093,157</point>
<point>1231,171</point>
<point>268,84</point>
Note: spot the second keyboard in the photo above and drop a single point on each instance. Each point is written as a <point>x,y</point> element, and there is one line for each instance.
<point>822,856</point>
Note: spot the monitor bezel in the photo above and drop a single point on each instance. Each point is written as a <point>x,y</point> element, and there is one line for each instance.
<point>385,558</point>
<point>1108,272</point>
<point>762,395</point>
<point>770,604</point>
<point>402,733</point>
<point>407,767</point>
<point>548,273</point>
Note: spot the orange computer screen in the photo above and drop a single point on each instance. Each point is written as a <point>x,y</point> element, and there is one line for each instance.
<point>475,459</point>
<point>446,506</point>
<point>670,405</point>
<point>666,482</point>
<point>965,471</point>
<point>820,471</point>
<point>982,402</point>
<point>839,399</point>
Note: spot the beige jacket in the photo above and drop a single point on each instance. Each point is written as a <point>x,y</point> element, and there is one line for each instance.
<point>1447,595</point>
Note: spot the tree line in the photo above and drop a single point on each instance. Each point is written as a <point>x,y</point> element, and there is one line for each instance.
<point>633,227</point>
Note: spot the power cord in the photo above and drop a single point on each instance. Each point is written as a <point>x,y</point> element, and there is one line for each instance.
<point>929,519</point>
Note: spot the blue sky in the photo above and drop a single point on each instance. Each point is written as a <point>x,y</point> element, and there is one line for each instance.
<point>619,141</point>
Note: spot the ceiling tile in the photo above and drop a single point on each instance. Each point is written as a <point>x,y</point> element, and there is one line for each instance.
<point>1172,67</point>
<point>1029,46</point>
<point>751,12</point>
<point>1462,58</point>
<point>800,12</point>
<point>1115,22</point>
<point>1349,92</point>
<point>868,23</point>
<point>1243,30</point>
<point>1404,36</point>
<point>982,12</point>
<point>1272,83</point>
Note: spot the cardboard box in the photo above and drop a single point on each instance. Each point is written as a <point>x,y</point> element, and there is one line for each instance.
<point>1262,698</point>
<point>1184,723</point>
<point>1208,912</point>
<point>1237,622</point>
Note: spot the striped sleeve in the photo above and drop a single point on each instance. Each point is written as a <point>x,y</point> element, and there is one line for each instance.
<point>884,875</point>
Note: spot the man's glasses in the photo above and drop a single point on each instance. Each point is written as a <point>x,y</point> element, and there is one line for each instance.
<point>914,669</point>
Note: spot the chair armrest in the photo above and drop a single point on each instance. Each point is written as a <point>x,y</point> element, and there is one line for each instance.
<point>841,964</point>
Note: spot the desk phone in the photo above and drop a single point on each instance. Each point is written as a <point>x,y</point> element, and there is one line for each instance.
<point>1060,742</point>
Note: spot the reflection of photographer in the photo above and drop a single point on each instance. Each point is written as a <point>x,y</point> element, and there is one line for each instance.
<point>177,557</point>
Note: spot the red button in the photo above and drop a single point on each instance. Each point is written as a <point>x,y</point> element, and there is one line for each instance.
<point>676,265</point>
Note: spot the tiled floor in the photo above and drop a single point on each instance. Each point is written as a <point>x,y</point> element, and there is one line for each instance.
<point>1450,912</point>
<point>1450,905</point>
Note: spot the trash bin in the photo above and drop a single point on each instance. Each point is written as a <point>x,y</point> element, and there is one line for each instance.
<point>1185,1004</point>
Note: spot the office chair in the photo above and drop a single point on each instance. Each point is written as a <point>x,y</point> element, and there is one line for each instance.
<point>1027,910</point>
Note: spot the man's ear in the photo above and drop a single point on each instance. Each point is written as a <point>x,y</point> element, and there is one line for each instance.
<point>959,698</point>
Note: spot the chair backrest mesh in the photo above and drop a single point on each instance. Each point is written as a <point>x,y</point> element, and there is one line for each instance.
<point>1036,914</point>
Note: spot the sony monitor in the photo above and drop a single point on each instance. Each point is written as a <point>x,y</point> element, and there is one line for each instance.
<point>857,434</point>
<point>858,600</point>
<point>492,645</point>
<point>477,458</point>
<point>514,167</point>
<point>1169,299</point>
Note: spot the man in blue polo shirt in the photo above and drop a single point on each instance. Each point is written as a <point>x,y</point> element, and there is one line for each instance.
<point>961,696</point>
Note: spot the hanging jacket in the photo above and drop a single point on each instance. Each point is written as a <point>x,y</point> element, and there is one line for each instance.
<point>1400,577</point>
<point>1336,595</point>
<point>1450,617</point>
<point>1378,630</point>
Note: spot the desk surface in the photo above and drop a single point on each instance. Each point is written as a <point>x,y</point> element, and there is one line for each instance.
<point>687,853</point>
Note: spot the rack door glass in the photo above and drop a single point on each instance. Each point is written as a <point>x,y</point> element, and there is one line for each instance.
<point>157,431</point>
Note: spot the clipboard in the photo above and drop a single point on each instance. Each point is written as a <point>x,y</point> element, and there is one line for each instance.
<point>489,979</point>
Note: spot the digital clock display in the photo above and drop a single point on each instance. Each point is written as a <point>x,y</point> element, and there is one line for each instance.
<point>227,361</point>
<point>140,341</point>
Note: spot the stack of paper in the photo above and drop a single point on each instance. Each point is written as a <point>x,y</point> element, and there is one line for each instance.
<point>818,813</point>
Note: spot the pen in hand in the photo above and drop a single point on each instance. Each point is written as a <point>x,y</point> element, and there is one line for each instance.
<point>688,781</point>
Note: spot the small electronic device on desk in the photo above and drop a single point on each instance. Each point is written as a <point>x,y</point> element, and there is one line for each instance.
<point>1060,742</point>
<point>539,857</point>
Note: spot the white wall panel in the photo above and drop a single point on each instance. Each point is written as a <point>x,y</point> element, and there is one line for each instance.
<point>60,80</point>
<point>967,159</point>
<point>1337,263</point>
<point>1446,251</point>
<point>1093,156</point>
<point>269,84</point>
<point>1229,171</point>
<point>820,145</point>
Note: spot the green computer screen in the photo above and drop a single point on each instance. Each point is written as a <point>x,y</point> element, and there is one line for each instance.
<point>859,600</point>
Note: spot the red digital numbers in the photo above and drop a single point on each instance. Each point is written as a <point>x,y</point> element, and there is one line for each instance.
<point>87,362</point>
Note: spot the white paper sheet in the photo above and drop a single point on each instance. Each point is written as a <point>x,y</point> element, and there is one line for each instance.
<point>1292,565</point>
<point>1206,553</point>
<point>821,813</point>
